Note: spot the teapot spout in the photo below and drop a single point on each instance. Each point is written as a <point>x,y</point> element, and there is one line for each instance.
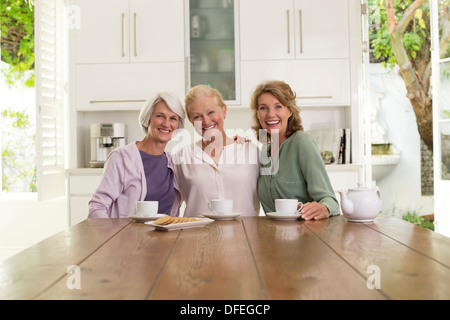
<point>346,204</point>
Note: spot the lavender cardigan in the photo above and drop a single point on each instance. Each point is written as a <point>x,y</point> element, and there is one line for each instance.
<point>123,183</point>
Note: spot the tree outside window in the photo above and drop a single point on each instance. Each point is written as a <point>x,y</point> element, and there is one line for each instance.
<point>18,168</point>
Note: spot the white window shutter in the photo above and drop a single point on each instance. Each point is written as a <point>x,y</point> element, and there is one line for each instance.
<point>49,69</point>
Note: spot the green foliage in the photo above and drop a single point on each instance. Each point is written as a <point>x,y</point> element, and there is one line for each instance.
<point>21,118</point>
<point>18,152</point>
<point>17,39</point>
<point>380,42</point>
<point>446,113</point>
<point>418,220</point>
<point>18,130</point>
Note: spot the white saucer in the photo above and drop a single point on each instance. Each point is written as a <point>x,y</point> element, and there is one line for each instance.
<point>214,216</point>
<point>277,216</point>
<point>360,220</point>
<point>137,218</point>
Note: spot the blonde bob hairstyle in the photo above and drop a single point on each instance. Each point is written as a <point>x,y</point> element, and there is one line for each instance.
<point>172,101</point>
<point>283,92</point>
<point>202,90</point>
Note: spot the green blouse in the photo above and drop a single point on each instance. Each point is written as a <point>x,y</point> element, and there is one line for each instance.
<point>300,174</point>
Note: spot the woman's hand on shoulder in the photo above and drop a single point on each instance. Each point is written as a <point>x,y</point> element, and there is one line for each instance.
<point>314,211</point>
<point>240,140</point>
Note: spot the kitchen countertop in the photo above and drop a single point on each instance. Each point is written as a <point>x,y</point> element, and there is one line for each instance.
<point>85,171</point>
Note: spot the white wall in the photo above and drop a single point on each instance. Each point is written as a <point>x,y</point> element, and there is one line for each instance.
<point>401,189</point>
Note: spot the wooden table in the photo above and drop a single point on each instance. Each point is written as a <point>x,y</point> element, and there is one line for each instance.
<point>249,258</point>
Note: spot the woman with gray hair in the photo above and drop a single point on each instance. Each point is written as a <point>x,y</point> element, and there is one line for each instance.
<point>142,170</point>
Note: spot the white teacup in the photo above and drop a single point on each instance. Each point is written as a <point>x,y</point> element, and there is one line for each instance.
<point>288,206</point>
<point>221,206</point>
<point>146,208</point>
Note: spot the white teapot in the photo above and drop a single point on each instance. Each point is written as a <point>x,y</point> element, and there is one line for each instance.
<point>360,204</point>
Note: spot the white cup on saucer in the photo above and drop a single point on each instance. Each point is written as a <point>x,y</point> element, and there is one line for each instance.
<point>221,206</point>
<point>288,206</point>
<point>146,208</point>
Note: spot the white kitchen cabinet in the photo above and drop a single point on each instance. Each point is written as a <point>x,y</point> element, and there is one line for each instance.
<point>120,86</point>
<point>305,43</point>
<point>82,184</point>
<point>266,29</point>
<point>114,31</point>
<point>122,51</point>
<point>314,46</point>
<point>321,29</point>
<point>294,29</point>
<point>316,82</point>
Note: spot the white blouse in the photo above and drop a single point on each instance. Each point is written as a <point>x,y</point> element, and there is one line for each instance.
<point>234,177</point>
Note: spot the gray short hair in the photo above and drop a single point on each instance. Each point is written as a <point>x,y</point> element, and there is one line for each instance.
<point>173,102</point>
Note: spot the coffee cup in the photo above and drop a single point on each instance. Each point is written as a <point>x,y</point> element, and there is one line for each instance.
<point>221,206</point>
<point>288,206</point>
<point>146,208</point>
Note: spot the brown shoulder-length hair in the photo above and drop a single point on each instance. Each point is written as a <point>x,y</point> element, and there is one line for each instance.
<point>283,92</point>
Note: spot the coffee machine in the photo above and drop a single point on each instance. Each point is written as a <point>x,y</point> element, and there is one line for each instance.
<point>105,137</point>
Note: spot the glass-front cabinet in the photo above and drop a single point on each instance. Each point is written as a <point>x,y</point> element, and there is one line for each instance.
<point>212,49</point>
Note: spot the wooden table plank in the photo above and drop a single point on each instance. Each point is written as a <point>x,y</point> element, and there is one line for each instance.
<point>213,262</point>
<point>427,242</point>
<point>404,273</point>
<point>24,275</point>
<point>125,267</point>
<point>296,264</point>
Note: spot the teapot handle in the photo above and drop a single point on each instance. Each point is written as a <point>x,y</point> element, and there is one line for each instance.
<point>378,192</point>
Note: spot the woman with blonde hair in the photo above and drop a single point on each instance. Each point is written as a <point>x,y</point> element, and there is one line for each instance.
<point>141,170</point>
<point>215,167</point>
<point>292,166</point>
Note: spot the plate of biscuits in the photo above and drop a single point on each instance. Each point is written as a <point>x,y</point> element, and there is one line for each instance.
<point>168,223</point>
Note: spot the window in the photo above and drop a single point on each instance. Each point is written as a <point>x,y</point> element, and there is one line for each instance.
<point>49,97</point>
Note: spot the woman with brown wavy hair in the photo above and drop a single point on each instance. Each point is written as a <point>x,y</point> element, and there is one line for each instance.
<point>291,165</point>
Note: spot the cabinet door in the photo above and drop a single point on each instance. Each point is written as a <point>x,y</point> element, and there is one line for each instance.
<point>321,29</point>
<point>102,35</point>
<point>316,82</point>
<point>125,86</point>
<point>156,30</point>
<point>81,189</point>
<point>288,29</point>
<point>266,29</point>
<point>213,46</point>
<point>129,30</point>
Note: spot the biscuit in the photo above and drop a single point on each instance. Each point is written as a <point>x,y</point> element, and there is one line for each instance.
<point>171,220</point>
<point>162,220</point>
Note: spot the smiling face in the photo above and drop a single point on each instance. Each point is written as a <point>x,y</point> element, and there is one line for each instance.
<point>206,111</point>
<point>272,115</point>
<point>163,122</point>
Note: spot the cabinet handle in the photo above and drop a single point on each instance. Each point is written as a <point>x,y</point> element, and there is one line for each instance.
<point>300,22</point>
<point>186,74</point>
<point>315,97</point>
<point>288,33</point>
<point>135,51</point>
<point>123,34</point>
<point>109,101</point>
